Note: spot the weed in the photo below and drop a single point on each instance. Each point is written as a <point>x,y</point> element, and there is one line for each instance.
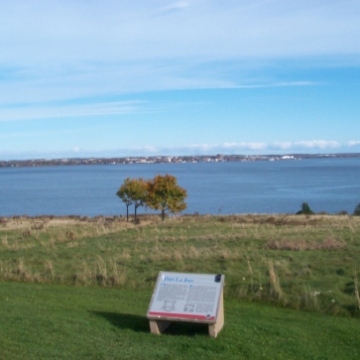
<point>356,290</point>
<point>4,241</point>
<point>49,268</point>
<point>275,289</point>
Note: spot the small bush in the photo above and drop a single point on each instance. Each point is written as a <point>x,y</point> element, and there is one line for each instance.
<point>305,209</point>
<point>357,210</point>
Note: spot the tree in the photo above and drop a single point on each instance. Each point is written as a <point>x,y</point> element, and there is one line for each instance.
<point>133,191</point>
<point>124,194</point>
<point>164,194</point>
<point>357,210</point>
<point>305,209</point>
<point>138,193</point>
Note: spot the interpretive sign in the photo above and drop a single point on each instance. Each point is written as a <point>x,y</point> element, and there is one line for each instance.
<point>187,297</point>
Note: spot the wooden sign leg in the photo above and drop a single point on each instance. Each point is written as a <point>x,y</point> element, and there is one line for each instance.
<point>158,326</point>
<point>214,329</point>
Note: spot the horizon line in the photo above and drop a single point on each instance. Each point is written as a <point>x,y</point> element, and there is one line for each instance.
<point>333,154</point>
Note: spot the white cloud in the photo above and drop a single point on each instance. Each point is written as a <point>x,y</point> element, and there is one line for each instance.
<point>48,111</point>
<point>244,147</point>
<point>316,144</point>
<point>110,30</point>
<point>305,145</point>
<point>261,147</point>
<point>173,7</point>
<point>70,49</point>
<point>285,145</point>
<point>353,143</point>
<point>58,58</point>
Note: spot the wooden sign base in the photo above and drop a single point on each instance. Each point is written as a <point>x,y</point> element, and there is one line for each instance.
<point>158,326</point>
<point>215,328</point>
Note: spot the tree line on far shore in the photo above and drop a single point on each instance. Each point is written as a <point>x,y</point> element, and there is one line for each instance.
<point>160,193</point>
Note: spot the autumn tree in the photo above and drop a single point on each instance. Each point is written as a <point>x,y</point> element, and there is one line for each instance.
<point>133,191</point>
<point>164,194</point>
<point>124,194</point>
<point>138,193</point>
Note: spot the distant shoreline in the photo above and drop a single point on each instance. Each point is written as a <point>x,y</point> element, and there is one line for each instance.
<point>168,159</point>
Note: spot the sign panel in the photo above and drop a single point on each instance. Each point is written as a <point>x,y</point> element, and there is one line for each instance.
<point>187,297</point>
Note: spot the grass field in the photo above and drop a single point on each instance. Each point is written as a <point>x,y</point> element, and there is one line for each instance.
<point>41,321</point>
<point>79,287</point>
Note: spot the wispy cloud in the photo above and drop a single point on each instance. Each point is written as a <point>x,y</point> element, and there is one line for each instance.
<point>68,42</point>
<point>312,144</point>
<point>74,59</point>
<point>317,144</point>
<point>275,84</point>
<point>354,143</point>
<point>245,148</point>
<point>46,111</point>
<point>242,148</point>
<point>172,7</point>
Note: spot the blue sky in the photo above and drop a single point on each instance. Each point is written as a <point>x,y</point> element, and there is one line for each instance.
<point>160,77</point>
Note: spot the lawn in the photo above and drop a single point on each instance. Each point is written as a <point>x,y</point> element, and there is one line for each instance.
<point>44,321</point>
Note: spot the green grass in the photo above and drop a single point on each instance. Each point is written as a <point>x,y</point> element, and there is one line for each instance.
<point>42,321</point>
<point>301,262</point>
<point>80,288</point>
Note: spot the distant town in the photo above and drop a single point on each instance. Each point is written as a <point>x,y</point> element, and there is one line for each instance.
<point>168,159</point>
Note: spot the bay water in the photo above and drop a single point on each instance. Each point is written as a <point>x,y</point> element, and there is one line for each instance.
<point>263,187</point>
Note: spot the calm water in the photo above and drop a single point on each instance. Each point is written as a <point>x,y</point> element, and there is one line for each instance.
<point>329,185</point>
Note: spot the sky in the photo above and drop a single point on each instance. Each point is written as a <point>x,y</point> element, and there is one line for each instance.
<point>89,78</point>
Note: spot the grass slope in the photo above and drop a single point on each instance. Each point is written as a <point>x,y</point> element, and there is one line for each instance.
<point>302,262</point>
<point>42,321</point>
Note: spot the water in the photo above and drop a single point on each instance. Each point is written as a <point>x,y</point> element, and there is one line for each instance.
<point>329,185</point>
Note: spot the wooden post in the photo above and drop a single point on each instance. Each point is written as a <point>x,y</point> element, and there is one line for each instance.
<point>158,326</point>
<point>214,329</point>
